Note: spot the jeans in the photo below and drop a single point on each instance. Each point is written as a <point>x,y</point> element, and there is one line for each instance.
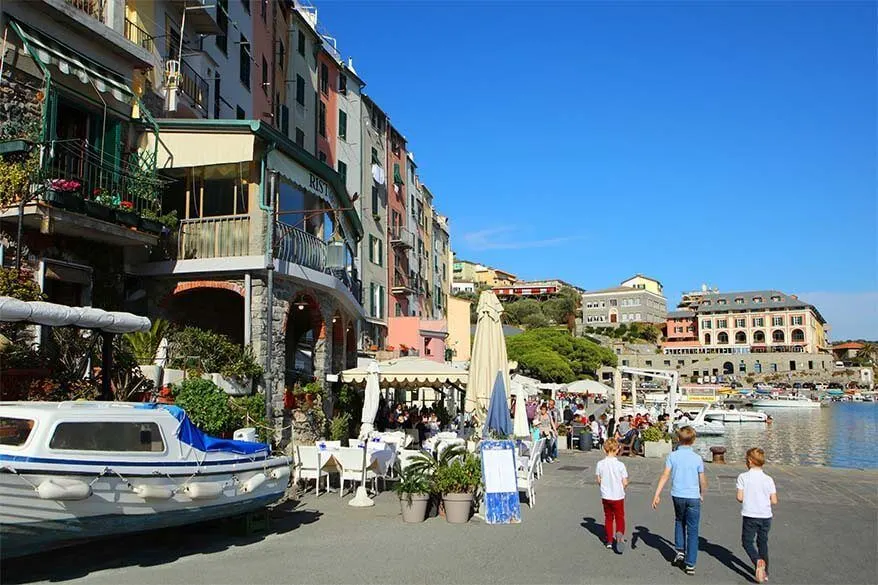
<point>554,448</point>
<point>550,447</point>
<point>756,529</point>
<point>687,515</point>
<point>614,510</point>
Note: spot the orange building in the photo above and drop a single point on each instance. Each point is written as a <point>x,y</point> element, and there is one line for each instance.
<point>327,105</point>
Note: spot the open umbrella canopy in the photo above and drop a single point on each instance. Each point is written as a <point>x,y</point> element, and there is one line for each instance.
<point>370,400</point>
<point>498,412</point>
<point>488,354</point>
<point>409,372</point>
<point>592,387</point>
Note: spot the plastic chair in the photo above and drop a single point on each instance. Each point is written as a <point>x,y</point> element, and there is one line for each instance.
<point>309,466</point>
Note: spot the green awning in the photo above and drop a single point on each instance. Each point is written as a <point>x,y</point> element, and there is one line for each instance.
<point>69,62</point>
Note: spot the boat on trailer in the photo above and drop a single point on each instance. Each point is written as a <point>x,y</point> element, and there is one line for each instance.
<point>77,470</point>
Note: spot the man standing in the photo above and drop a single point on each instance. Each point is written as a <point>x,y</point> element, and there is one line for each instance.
<point>685,468</point>
<point>556,418</point>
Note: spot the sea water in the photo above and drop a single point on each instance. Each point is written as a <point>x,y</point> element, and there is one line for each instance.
<point>842,434</point>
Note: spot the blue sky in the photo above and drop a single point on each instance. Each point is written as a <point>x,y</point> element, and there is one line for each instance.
<point>728,144</point>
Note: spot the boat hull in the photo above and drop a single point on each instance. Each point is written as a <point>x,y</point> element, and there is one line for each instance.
<point>737,417</point>
<point>786,404</point>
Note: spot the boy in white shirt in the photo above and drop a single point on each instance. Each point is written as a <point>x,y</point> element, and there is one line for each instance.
<point>757,493</point>
<point>612,476</point>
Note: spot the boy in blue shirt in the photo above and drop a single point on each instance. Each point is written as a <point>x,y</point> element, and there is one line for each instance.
<point>685,468</point>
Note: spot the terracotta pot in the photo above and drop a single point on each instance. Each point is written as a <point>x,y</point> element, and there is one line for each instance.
<point>457,507</point>
<point>414,507</point>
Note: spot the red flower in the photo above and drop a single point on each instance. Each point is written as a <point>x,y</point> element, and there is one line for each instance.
<point>127,205</point>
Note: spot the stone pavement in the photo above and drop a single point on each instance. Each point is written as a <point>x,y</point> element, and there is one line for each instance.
<point>824,532</point>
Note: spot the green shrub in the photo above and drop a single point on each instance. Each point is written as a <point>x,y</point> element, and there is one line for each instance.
<point>207,351</point>
<point>461,476</point>
<point>206,404</point>
<point>654,434</point>
<point>339,428</point>
<point>411,481</point>
<point>249,411</point>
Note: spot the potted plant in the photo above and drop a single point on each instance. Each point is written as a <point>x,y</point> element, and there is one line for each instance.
<point>656,442</point>
<point>457,482</point>
<point>100,205</point>
<point>126,215</point>
<point>562,437</point>
<point>144,346</point>
<point>64,193</point>
<point>413,489</point>
<point>339,427</point>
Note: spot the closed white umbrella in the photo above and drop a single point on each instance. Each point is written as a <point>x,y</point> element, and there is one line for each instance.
<point>371,397</point>
<point>488,354</point>
<point>520,428</point>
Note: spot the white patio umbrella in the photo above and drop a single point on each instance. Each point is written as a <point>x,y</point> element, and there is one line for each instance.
<point>488,354</point>
<point>371,398</point>
<point>520,427</point>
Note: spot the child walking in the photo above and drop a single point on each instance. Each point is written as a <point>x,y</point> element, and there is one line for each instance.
<point>685,468</point>
<point>612,476</point>
<point>757,493</point>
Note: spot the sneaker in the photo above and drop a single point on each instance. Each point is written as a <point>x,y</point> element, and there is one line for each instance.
<point>760,571</point>
<point>620,542</point>
<point>678,560</point>
<point>610,545</point>
<point>689,570</point>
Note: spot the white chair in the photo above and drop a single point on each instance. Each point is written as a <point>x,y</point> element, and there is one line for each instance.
<point>351,461</point>
<point>331,445</point>
<point>538,449</point>
<point>527,479</point>
<point>309,466</point>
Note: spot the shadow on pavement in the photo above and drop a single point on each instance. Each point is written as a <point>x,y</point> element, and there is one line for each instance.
<point>592,526</point>
<point>153,548</point>
<point>654,541</point>
<point>726,557</point>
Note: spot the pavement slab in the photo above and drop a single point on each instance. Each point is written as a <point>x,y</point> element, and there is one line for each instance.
<point>824,531</point>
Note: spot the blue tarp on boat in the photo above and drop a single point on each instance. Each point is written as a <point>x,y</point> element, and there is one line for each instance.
<point>193,436</point>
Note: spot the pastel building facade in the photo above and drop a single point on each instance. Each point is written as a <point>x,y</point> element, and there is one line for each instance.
<point>637,300</point>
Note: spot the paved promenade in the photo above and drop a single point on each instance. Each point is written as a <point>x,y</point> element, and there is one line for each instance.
<point>824,532</point>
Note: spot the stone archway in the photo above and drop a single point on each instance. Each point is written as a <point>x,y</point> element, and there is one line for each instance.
<point>302,329</point>
<point>351,346</point>
<point>217,307</point>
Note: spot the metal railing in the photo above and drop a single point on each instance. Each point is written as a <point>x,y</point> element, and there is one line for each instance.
<point>193,85</point>
<point>137,35</point>
<point>94,8</point>
<point>400,236</point>
<point>214,237</point>
<point>299,247</point>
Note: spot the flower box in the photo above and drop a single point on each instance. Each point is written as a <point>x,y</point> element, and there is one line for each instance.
<point>127,218</point>
<point>150,225</point>
<point>233,386</point>
<point>98,211</point>
<point>69,200</point>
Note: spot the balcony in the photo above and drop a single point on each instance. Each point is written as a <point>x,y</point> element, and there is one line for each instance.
<point>200,15</point>
<point>401,285</point>
<point>297,246</point>
<point>214,237</point>
<point>401,237</point>
<point>194,86</point>
<point>138,36</point>
<point>93,8</point>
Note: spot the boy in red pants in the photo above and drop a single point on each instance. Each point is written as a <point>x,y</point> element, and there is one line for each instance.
<point>612,476</point>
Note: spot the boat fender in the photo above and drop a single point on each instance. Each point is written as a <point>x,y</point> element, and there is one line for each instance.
<point>253,483</point>
<point>60,488</point>
<point>153,492</point>
<point>203,491</point>
<point>280,472</point>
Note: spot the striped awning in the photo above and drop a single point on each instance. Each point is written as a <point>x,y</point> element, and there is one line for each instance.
<point>69,62</point>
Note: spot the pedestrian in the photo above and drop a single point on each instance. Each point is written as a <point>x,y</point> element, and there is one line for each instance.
<point>556,420</point>
<point>757,493</point>
<point>548,431</point>
<point>612,476</point>
<point>685,468</point>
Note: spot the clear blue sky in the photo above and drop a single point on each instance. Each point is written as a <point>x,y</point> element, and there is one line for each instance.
<point>719,143</point>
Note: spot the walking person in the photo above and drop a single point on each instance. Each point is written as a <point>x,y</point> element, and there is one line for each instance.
<point>556,420</point>
<point>685,469</point>
<point>548,430</point>
<point>757,493</point>
<point>612,476</point>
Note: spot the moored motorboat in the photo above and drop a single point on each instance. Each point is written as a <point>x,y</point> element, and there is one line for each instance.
<point>786,402</point>
<point>701,425</point>
<point>733,415</point>
<point>76,470</point>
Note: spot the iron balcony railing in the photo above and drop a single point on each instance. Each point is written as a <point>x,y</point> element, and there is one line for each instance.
<point>299,247</point>
<point>137,35</point>
<point>193,85</point>
<point>94,8</point>
<point>214,237</point>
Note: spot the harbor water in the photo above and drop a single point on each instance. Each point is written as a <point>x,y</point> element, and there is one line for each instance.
<point>842,434</point>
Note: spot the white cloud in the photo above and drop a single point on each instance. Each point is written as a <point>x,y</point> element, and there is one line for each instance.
<point>850,315</point>
<point>509,238</point>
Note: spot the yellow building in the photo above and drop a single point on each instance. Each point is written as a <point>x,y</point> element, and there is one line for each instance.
<point>458,340</point>
<point>642,282</point>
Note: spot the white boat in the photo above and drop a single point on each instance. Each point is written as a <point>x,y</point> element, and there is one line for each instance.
<point>728,415</point>
<point>702,426</point>
<point>76,470</point>
<point>786,402</point>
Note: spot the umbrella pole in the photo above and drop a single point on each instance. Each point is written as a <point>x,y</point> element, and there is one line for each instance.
<point>362,499</point>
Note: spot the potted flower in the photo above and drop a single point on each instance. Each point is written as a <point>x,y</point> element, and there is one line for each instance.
<point>457,482</point>
<point>101,204</point>
<point>656,442</point>
<point>64,193</point>
<point>126,215</point>
<point>413,489</point>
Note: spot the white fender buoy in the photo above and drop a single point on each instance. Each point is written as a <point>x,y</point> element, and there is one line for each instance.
<point>203,490</point>
<point>253,483</point>
<point>61,488</point>
<point>280,472</point>
<point>153,492</point>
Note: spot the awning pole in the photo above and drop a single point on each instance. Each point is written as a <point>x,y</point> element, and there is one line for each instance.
<point>106,365</point>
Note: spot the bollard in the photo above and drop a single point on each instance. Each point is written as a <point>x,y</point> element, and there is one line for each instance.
<point>719,454</point>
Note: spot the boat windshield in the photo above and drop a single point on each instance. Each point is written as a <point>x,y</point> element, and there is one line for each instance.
<point>15,431</point>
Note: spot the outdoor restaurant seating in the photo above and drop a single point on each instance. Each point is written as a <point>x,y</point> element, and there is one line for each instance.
<point>308,466</point>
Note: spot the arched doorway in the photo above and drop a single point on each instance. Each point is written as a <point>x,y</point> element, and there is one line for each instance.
<point>219,310</point>
<point>759,337</point>
<point>303,327</point>
<point>740,338</point>
<point>722,338</point>
<point>351,347</point>
<point>798,336</point>
<point>728,368</point>
<point>777,336</point>
<point>707,339</point>
<point>338,343</point>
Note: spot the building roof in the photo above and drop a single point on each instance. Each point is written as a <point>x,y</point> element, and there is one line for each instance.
<point>619,289</point>
<point>711,302</point>
<point>682,315</point>
<point>643,276</point>
<point>849,345</point>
